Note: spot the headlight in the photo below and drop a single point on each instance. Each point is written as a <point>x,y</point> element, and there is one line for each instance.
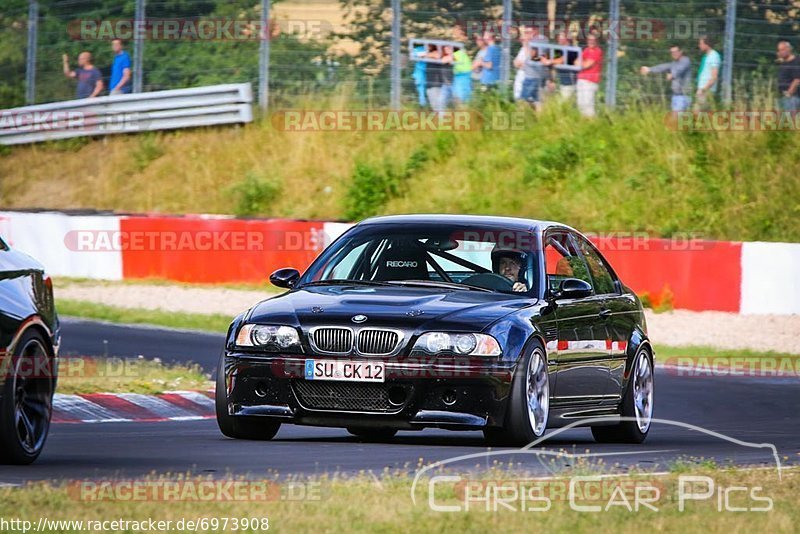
<point>457,343</point>
<point>274,338</point>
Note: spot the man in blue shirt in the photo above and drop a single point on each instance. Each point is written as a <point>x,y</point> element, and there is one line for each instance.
<point>419,74</point>
<point>120,82</point>
<point>490,63</point>
<point>90,81</point>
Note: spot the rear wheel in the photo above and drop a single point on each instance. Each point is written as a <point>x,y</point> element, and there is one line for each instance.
<point>26,404</point>
<point>637,405</point>
<point>372,434</point>
<point>529,405</point>
<point>238,426</point>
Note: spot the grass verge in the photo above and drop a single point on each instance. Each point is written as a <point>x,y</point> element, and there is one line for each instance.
<point>383,504</point>
<point>128,375</point>
<point>114,314</point>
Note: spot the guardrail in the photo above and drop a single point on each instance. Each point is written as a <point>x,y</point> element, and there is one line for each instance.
<point>141,112</point>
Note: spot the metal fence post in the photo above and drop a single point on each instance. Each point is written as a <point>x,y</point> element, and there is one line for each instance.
<point>395,71</point>
<point>613,46</point>
<point>30,59</point>
<point>505,61</point>
<point>138,45</point>
<point>727,52</point>
<point>263,57</point>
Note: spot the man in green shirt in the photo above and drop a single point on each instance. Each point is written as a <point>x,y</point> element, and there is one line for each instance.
<point>708,74</point>
<point>462,76</point>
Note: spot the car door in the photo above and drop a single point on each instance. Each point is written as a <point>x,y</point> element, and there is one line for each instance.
<point>581,355</point>
<point>618,308</point>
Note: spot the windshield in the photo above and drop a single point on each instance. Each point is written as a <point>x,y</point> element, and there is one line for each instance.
<point>451,258</point>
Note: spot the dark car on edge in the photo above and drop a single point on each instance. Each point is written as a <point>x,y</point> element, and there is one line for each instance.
<point>509,326</point>
<point>29,339</point>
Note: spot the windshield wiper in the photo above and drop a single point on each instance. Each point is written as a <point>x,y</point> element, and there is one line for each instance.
<point>445,285</point>
<point>344,282</point>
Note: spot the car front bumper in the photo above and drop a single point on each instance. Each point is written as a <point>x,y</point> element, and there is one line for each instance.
<point>469,394</point>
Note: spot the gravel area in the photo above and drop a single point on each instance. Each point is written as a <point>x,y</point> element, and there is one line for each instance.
<point>678,328</point>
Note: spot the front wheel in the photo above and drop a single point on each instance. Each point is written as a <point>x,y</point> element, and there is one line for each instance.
<point>529,405</point>
<point>26,402</point>
<point>238,426</point>
<point>637,405</point>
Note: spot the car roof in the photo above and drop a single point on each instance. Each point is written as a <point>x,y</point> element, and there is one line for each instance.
<point>511,223</point>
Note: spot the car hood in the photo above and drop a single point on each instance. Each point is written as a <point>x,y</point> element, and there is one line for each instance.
<point>399,307</point>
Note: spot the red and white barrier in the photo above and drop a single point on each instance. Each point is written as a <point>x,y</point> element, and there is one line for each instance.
<point>754,278</point>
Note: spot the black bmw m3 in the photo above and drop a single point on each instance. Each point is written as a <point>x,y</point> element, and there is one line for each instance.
<point>29,340</point>
<point>509,326</point>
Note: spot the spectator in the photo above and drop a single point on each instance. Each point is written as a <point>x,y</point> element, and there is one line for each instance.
<point>440,77</point>
<point>90,81</point>
<point>462,76</point>
<point>707,74</point>
<point>589,77</point>
<point>679,73</point>
<point>519,62</point>
<point>419,74</point>
<point>527,36</point>
<point>565,78</point>
<point>478,61</point>
<point>535,72</point>
<point>446,94</point>
<point>489,63</point>
<point>120,83</point>
<point>788,77</point>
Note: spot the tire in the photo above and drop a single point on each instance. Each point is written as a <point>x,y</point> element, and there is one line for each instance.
<point>372,434</point>
<point>26,404</point>
<point>640,384</point>
<point>523,426</point>
<point>238,426</point>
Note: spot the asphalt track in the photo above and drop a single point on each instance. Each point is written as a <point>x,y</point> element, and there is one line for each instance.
<point>93,338</point>
<point>752,410</point>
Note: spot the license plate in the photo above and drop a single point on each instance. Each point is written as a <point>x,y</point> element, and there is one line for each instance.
<point>344,370</point>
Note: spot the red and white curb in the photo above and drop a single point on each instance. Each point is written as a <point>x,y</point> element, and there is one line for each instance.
<point>130,407</point>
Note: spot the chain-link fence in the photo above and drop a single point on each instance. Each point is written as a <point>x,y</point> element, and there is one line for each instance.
<point>353,52</point>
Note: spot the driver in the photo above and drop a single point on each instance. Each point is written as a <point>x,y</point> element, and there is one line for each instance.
<point>508,263</point>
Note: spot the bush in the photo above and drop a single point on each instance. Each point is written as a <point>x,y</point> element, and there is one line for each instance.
<point>254,194</point>
<point>371,187</point>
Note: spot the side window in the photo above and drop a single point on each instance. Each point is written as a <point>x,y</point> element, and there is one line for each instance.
<point>562,261</point>
<point>603,281</point>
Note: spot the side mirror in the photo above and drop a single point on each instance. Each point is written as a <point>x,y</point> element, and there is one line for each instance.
<point>573,288</point>
<point>285,278</point>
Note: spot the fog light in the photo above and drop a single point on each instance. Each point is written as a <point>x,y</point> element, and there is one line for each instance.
<point>397,395</point>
